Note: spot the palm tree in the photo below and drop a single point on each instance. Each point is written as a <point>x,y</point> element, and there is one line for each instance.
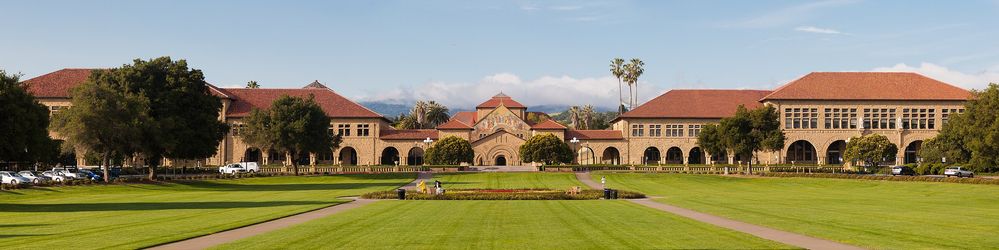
<point>617,69</point>
<point>633,70</point>
<point>574,117</point>
<point>437,114</point>
<point>587,116</point>
<point>252,85</point>
<point>419,112</point>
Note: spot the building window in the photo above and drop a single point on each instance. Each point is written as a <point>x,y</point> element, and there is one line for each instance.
<point>693,130</point>
<point>882,118</point>
<point>637,130</point>
<point>946,113</point>
<point>919,118</point>
<point>656,130</point>
<point>674,130</point>
<point>801,118</point>
<point>840,118</point>
<point>363,129</point>
<point>343,129</point>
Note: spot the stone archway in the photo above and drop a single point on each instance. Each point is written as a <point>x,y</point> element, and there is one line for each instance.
<point>912,152</point>
<point>390,156</point>
<point>834,153</point>
<point>585,156</point>
<point>696,156</point>
<point>801,152</point>
<point>414,157</point>
<point>251,155</point>
<point>500,160</point>
<point>720,158</point>
<point>509,156</point>
<point>674,155</point>
<point>611,156</point>
<point>651,156</point>
<point>348,156</point>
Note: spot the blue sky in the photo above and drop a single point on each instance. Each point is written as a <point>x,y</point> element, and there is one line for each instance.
<point>539,52</point>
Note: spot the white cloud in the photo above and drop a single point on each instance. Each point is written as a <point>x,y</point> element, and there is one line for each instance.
<point>978,80</point>
<point>789,14</point>
<point>529,7</point>
<point>546,90</point>
<point>566,7</point>
<point>813,29</point>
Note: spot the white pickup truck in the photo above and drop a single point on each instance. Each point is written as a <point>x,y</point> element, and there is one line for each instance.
<point>239,167</point>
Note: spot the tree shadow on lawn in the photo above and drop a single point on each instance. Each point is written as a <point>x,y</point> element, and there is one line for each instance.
<point>4,236</point>
<point>217,186</point>
<point>146,206</point>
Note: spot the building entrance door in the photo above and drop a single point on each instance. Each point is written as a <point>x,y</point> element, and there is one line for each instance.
<point>500,160</point>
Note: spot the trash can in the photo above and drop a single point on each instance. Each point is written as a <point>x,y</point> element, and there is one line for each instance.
<point>614,194</point>
<point>402,193</point>
<point>607,193</point>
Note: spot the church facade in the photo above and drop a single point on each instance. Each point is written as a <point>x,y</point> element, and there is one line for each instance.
<point>819,113</point>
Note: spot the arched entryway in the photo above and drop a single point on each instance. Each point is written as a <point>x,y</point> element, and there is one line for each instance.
<point>415,157</point>
<point>834,154</point>
<point>912,152</point>
<point>720,158</point>
<point>303,158</point>
<point>251,155</point>
<point>696,156</point>
<point>585,156</point>
<point>324,157</point>
<point>801,152</point>
<point>390,156</point>
<point>611,156</point>
<point>500,160</point>
<point>674,156</point>
<point>348,156</point>
<point>275,157</point>
<point>651,156</point>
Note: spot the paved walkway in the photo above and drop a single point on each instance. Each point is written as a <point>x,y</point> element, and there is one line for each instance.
<point>759,231</point>
<point>424,176</point>
<point>219,238</point>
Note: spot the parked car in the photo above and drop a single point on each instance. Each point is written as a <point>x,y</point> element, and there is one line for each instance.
<point>9,177</point>
<point>69,172</point>
<point>902,170</point>
<point>35,177</point>
<point>92,175</point>
<point>55,176</point>
<point>958,171</point>
<point>240,167</point>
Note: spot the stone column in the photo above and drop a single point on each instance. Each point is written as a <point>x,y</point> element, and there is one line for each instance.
<point>312,159</point>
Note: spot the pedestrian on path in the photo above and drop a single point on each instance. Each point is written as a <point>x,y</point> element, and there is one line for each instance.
<point>603,181</point>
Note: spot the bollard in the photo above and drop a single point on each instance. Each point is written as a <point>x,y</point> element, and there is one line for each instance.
<point>607,193</point>
<point>402,193</point>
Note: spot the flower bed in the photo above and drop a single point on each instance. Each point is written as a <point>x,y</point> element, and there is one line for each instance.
<point>503,194</point>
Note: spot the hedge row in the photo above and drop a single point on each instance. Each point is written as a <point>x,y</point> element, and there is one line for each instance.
<point>888,178</point>
<point>473,194</point>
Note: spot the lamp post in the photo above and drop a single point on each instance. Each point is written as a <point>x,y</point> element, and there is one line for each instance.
<point>575,143</point>
<point>426,145</point>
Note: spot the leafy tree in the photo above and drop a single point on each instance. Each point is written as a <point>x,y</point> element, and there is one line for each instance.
<point>547,149</point>
<point>533,117</point>
<point>944,145</point>
<point>617,69</point>
<point>252,85</point>
<point>291,125</point>
<point>872,149</point>
<point>451,150</point>
<point>183,115</point>
<point>633,70</point>
<point>23,134</point>
<point>978,128</point>
<point>103,121</point>
<point>424,115</point>
<point>745,133</point>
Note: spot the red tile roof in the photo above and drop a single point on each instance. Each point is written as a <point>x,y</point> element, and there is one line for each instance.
<point>58,83</point>
<point>408,134</point>
<point>867,86</point>
<point>454,124</point>
<point>501,99</point>
<point>697,103</point>
<point>548,124</point>
<point>466,117</point>
<point>336,106</point>
<point>594,135</point>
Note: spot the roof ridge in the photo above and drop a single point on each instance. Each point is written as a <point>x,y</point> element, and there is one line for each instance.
<point>783,86</point>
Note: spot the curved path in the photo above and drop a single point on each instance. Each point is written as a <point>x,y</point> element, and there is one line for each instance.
<point>759,231</point>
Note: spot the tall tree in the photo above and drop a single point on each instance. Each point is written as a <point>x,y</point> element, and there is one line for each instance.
<point>103,121</point>
<point>183,115</point>
<point>617,69</point>
<point>252,85</point>
<point>633,71</point>
<point>437,114</point>
<point>293,126</point>
<point>547,149</point>
<point>587,116</point>
<point>872,149</point>
<point>23,124</point>
<point>574,113</point>
<point>745,133</point>
<point>451,150</point>
<point>975,133</point>
<point>419,112</point>
<point>423,115</point>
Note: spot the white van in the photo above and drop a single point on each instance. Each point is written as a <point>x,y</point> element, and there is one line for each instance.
<point>239,167</point>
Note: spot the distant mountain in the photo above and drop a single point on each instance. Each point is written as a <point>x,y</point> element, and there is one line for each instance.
<point>391,110</point>
<point>387,109</point>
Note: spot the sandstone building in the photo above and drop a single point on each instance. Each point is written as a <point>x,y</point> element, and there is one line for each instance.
<point>819,113</point>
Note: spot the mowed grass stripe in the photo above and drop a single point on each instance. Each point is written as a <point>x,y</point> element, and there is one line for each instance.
<point>135,216</point>
<point>873,214</point>
<point>499,180</point>
<point>502,225</point>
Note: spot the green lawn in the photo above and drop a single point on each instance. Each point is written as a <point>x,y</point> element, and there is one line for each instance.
<point>873,214</point>
<point>393,224</point>
<point>560,181</point>
<point>135,216</point>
